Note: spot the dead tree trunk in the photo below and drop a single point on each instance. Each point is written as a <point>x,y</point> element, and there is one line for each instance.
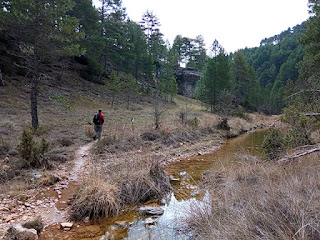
<point>300,154</point>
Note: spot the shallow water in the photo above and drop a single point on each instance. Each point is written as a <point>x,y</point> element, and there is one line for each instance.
<point>185,176</point>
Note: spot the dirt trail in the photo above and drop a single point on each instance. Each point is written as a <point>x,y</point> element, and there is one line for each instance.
<point>82,158</point>
<point>51,203</point>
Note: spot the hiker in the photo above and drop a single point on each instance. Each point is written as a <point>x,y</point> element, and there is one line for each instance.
<point>98,121</point>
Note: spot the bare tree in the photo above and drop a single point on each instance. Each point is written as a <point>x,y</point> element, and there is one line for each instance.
<point>158,112</point>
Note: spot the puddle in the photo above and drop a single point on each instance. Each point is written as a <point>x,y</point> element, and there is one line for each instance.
<point>185,176</point>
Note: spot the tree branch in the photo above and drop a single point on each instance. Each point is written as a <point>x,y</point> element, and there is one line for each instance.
<point>299,154</point>
<point>302,91</point>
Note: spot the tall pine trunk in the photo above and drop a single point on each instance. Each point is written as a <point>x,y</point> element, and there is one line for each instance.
<point>36,74</point>
<point>34,100</point>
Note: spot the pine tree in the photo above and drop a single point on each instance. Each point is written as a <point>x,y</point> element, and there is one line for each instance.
<point>42,32</point>
<point>167,84</point>
<point>215,78</point>
<point>130,88</point>
<point>114,85</point>
<point>246,82</point>
<point>307,94</point>
<point>276,96</point>
<point>150,24</point>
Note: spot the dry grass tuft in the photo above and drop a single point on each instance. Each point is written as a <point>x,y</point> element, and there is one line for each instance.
<point>133,181</point>
<point>89,131</point>
<point>143,182</point>
<point>95,198</point>
<point>262,201</point>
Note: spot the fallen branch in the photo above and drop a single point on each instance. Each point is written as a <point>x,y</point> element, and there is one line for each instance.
<point>303,91</point>
<point>299,154</point>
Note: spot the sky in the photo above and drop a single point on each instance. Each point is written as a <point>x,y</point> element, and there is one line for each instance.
<point>236,24</point>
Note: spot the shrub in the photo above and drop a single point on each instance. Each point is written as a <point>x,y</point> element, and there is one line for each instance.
<point>296,136</point>
<point>194,123</point>
<point>223,124</point>
<point>302,126</point>
<point>273,143</point>
<point>33,151</point>
<point>144,90</point>
<point>239,112</point>
<point>92,72</point>
<point>150,136</point>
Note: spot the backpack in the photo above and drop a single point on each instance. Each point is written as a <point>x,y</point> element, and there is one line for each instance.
<point>96,119</point>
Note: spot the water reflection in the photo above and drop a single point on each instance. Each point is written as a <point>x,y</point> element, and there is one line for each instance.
<point>168,225</point>
<point>185,177</point>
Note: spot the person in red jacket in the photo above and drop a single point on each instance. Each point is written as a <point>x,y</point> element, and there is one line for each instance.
<point>98,121</point>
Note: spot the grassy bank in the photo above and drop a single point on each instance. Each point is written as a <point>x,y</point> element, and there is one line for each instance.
<point>261,200</point>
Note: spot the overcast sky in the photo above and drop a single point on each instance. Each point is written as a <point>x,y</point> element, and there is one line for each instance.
<point>235,24</point>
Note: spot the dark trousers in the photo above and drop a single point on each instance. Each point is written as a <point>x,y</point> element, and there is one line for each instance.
<point>97,131</point>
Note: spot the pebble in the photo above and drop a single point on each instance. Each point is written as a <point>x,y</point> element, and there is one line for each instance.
<point>27,204</point>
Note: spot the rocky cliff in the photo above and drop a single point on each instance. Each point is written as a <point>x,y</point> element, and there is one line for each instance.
<point>187,80</point>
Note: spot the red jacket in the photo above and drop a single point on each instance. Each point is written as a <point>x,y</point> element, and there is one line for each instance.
<point>101,118</point>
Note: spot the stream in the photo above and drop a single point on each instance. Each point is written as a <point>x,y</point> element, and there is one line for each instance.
<point>185,176</point>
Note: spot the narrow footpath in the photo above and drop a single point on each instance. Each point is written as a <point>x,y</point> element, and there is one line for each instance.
<point>50,203</point>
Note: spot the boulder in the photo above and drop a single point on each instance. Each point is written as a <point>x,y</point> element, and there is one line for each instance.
<point>20,233</point>
<point>147,210</point>
<point>66,226</point>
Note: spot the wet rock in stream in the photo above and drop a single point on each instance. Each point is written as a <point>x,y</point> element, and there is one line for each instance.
<point>147,210</point>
